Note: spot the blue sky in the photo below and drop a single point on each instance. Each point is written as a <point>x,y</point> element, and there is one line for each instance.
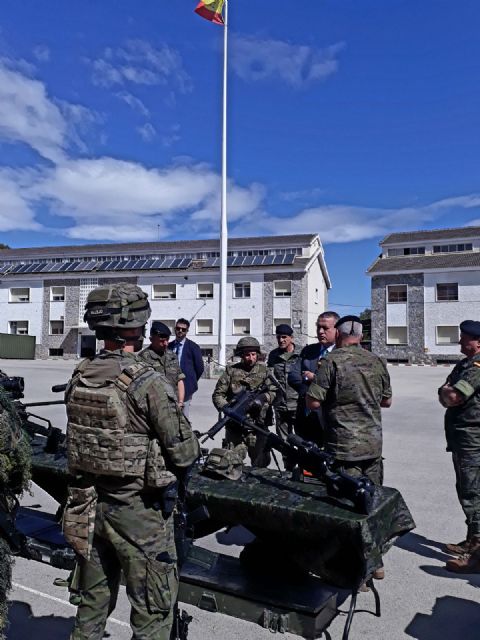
<point>348,119</point>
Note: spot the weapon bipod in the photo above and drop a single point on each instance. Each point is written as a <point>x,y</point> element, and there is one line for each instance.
<point>352,609</point>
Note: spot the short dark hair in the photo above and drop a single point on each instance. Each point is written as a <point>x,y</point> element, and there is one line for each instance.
<point>330,314</point>
<point>183,321</point>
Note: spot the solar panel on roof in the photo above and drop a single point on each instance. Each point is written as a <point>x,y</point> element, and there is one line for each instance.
<point>186,262</point>
<point>103,266</point>
<point>63,266</point>
<point>30,268</point>
<point>268,260</point>
<point>289,258</point>
<point>127,264</point>
<point>230,261</point>
<point>72,265</point>
<point>248,261</point>
<point>175,263</point>
<point>278,259</point>
<point>211,262</point>
<point>257,260</point>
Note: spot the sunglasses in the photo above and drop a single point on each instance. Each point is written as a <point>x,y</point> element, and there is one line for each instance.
<point>182,329</point>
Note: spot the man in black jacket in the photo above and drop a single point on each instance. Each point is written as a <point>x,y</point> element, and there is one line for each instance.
<point>308,424</point>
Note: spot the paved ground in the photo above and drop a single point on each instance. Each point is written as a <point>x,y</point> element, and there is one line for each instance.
<point>419,598</point>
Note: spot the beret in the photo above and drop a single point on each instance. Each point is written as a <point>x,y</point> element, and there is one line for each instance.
<point>472,327</point>
<point>347,319</point>
<point>283,330</point>
<point>160,329</point>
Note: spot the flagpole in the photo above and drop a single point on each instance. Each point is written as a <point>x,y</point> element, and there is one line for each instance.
<point>222,329</point>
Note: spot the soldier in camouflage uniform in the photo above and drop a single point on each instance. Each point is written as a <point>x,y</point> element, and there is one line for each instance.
<point>127,444</point>
<point>280,361</point>
<point>163,360</point>
<point>246,374</point>
<point>351,385</point>
<point>14,479</point>
<point>460,395</point>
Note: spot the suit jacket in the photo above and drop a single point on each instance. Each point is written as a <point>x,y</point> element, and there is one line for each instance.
<point>191,363</point>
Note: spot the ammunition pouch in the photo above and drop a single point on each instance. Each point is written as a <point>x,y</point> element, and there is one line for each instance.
<point>225,463</point>
<point>156,474</point>
<point>79,519</point>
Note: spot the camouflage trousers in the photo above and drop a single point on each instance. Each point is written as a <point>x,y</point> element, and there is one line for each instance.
<point>5,584</point>
<point>284,425</point>
<point>467,473</point>
<point>372,468</point>
<point>255,444</point>
<point>137,540</point>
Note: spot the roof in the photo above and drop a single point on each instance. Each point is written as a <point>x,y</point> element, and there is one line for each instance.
<point>423,263</point>
<point>160,247</point>
<point>432,234</point>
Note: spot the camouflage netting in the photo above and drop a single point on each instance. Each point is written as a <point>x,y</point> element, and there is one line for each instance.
<point>14,479</point>
<point>299,527</point>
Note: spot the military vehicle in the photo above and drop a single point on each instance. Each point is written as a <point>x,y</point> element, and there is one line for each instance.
<point>312,546</point>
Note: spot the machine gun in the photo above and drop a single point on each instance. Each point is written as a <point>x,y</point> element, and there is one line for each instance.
<point>304,454</point>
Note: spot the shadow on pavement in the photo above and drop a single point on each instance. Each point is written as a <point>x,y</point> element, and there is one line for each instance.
<point>421,545</point>
<point>455,617</point>
<point>23,624</point>
<point>441,572</point>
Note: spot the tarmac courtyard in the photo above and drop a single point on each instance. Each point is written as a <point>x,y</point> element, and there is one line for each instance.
<point>419,598</point>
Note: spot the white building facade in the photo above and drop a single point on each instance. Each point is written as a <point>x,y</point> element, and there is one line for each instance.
<point>424,284</point>
<point>271,280</point>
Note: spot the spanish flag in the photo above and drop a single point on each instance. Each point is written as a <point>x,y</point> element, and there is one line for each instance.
<point>211,10</point>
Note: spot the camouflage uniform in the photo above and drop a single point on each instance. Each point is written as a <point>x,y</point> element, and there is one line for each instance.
<point>350,384</point>
<point>285,401</point>
<point>130,532</point>
<point>165,363</point>
<point>14,478</point>
<point>236,378</point>
<point>462,430</point>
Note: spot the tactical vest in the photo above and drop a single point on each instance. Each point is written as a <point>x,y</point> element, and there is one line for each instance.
<point>99,440</point>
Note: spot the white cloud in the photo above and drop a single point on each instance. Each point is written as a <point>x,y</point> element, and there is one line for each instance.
<point>42,53</point>
<point>15,212</point>
<point>169,139</point>
<point>28,115</point>
<point>147,132</point>
<point>134,103</point>
<point>139,63</point>
<point>255,59</point>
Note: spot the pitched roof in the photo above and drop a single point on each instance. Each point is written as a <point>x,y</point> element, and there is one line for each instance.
<point>160,247</point>
<point>432,234</point>
<point>421,263</point>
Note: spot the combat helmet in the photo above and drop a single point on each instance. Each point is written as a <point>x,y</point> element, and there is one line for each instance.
<point>116,306</point>
<point>247,344</point>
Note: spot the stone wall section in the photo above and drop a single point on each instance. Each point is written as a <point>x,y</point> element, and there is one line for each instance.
<point>414,352</point>
<point>298,303</point>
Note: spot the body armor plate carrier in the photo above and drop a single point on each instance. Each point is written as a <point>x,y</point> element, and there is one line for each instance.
<point>99,440</point>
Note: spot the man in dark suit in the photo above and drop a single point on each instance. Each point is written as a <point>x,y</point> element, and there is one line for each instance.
<point>309,424</point>
<point>190,358</point>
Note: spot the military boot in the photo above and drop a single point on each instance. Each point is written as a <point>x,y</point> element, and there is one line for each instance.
<point>468,562</point>
<point>458,549</point>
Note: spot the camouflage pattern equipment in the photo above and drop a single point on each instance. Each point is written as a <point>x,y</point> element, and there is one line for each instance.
<point>165,363</point>
<point>350,385</point>
<point>14,479</point>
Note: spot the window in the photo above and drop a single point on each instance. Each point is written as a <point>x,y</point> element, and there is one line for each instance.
<point>277,321</point>
<point>241,327</point>
<point>396,293</point>
<point>57,294</point>
<point>56,327</point>
<point>55,352</point>
<point>447,334</point>
<point>447,292</point>
<point>170,324</point>
<point>204,327</point>
<point>18,327</point>
<point>406,251</point>
<point>397,335</point>
<point>205,290</point>
<point>452,248</point>
<point>241,290</point>
<point>282,288</point>
<point>18,294</point>
<point>164,291</point>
